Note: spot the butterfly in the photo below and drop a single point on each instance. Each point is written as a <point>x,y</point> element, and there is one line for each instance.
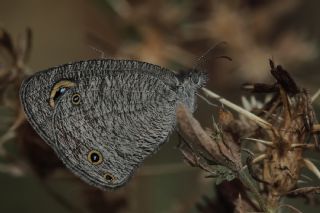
<point>104,117</point>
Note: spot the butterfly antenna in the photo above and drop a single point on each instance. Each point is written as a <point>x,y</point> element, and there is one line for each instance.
<point>203,58</point>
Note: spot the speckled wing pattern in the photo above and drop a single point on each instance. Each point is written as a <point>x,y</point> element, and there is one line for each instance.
<point>125,110</point>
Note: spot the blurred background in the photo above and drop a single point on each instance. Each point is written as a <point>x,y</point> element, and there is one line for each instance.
<point>170,33</point>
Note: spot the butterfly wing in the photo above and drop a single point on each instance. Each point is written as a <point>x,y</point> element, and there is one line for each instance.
<point>123,116</point>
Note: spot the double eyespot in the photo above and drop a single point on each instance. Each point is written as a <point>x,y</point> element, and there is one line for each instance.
<point>109,177</point>
<point>95,158</point>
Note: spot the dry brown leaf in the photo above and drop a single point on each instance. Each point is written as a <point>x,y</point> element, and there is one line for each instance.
<point>192,132</point>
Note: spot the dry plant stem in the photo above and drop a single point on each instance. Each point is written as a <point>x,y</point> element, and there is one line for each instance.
<point>286,107</point>
<point>315,96</point>
<point>308,146</point>
<point>248,182</point>
<point>259,158</point>
<point>264,124</point>
<point>305,191</point>
<point>221,151</point>
<point>316,128</point>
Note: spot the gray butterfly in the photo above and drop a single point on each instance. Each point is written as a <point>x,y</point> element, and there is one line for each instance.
<point>104,117</point>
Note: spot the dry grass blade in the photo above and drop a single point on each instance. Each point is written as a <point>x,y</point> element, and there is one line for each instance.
<point>249,115</point>
<point>315,96</point>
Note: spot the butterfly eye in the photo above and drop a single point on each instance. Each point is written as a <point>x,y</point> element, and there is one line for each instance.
<point>109,177</point>
<point>59,89</point>
<point>95,157</point>
<point>76,99</point>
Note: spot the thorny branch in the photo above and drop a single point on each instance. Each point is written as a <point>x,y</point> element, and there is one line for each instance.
<point>285,127</point>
